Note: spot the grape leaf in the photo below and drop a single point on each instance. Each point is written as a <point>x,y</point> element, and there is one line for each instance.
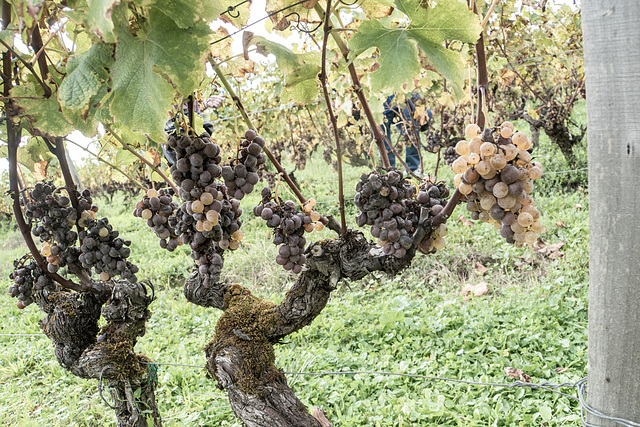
<point>303,93</point>
<point>301,85</point>
<point>99,18</point>
<point>125,158</point>
<point>34,151</point>
<point>398,54</point>
<point>185,13</point>
<point>428,29</point>
<point>299,13</point>
<point>238,16</point>
<point>286,59</point>
<point>43,116</point>
<point>86,73</point>
<point>221,45</point>
<point>376,9</point>
<point>7,37</point>
<point>86,122</point>
<point>142,96</point>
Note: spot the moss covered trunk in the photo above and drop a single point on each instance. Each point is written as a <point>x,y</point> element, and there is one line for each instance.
<point>106,354</point>
<point>241,354</point>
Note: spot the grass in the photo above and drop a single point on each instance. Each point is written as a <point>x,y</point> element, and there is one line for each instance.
<point>534,319</point>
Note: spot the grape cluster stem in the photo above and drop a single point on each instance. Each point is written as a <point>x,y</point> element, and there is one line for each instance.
<point>249,123</point>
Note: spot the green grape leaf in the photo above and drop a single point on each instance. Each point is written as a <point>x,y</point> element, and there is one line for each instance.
<point>301,85</point>
<point>448,20</point>
<point>398,54</point>
<point>125,158</point>
<point>42,115</point>
<point>286,59</point>
<point>86,74</point>
<point>185,13</point>
<point>99,18</point>
<point>35,151</point>
<point>86,122</point>
<point>302,93</point>
<point>38,150</point>
<point>7,37</point>
<point>428,29</point>
<point>23,157</point>
<point>142,96</point>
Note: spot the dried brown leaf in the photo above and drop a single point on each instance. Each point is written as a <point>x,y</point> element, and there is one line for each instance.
<point>561,224</point>
<point>562,370</point>
<point>478,290</point>
<point>552,251</point>
<point>517,374</point>
<point>481,289</point>
<point>480,269</point>
<point>466,289</point>
<point>465,221</point>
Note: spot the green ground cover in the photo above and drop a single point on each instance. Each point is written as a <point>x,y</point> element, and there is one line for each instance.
<point>534,318</point>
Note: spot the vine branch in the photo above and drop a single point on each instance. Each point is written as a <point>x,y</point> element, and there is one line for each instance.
<point>141,157</point>
<point>249,123</point>
<point>106,162</point>
<point>357,87</point>
<point>36,43</point>
<point>332,116</point>
<point>46,88</point>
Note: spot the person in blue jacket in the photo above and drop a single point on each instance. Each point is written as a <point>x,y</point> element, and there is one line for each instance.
<point>393,115</point>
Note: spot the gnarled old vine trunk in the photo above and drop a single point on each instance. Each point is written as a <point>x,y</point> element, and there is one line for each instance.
<point>105,354</point>
<point>241,354</point>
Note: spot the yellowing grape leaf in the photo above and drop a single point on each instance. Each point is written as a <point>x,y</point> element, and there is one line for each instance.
<point>86,74</point>
<point>446,100</point>
<point>142,96</point>
<point>286,59</point>
<point>533,113</point>
<point>301,85</point>
<point>283,13</point>
<point>237,16</point>
<point>42,117</point>
<point>34,151</point>
<point>428,29</point>
<point>98,18</point>
<point>7,37</point>
<point>221,44</point>
<point>376,9</point>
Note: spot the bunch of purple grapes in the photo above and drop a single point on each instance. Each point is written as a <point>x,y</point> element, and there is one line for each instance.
<point>289,226</point>
<point>28,280</point>
<point>105,252</point>
<point>241,177</point>
<point>158,209</point>
<point>391,205</point>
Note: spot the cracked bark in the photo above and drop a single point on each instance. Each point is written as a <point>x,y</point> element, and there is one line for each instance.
<point>105,354</point>
<point>241,355</point>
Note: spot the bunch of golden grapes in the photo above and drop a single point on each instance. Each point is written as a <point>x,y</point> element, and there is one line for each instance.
<point>495,173</point>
